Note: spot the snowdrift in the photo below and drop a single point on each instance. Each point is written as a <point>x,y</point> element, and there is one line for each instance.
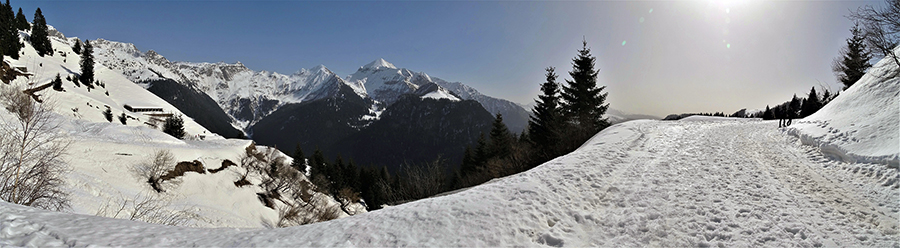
<point>861,125</point>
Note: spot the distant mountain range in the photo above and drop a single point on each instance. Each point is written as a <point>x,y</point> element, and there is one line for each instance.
<point>317,109</point>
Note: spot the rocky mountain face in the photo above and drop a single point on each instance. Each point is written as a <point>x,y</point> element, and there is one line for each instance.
<point>360,117</point>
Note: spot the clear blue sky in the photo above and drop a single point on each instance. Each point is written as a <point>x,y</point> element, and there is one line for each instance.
<point>655,57</point>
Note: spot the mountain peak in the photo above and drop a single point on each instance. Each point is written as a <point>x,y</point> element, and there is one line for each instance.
<point>379,63</point>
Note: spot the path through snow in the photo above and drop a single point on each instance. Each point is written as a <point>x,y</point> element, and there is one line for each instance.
<point>698,182</point>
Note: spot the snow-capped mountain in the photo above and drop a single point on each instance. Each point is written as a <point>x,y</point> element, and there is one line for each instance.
<point>246,95</point>
<point>105,154</point>
<point>384,82</point>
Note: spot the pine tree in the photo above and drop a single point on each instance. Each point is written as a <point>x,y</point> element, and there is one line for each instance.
<point>793,107</point>
<point>40,38</point>
<point>468,161</point>
<point>9,34</point>
<point>123,119</point>
<point>299,162</point>
<point>87,65</point>
<point>318,163</point>
<point>583,104</point>
<point>21,22</point>
<point>811,104</point>
<point>768,115</point>
<point>77,47</point>
<point>854,60</point>
<point>57,83</point>
<point>546,119</point>
<point>481,151</point>
<point>174,126</point>
<point>501,139</point>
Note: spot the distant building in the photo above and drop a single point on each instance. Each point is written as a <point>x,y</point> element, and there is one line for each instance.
<point>142,109</point>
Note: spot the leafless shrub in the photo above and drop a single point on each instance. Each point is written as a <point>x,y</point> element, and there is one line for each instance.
<point>154,169</point>
<point>881,26</point>
<point>150,208</point>
<point>316,210</point>
<point>31,150</point>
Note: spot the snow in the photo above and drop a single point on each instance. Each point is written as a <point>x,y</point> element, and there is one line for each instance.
<point>863,123</point>
<point>377,64</point>
<point>103,155</point>
<point>441,94</point>
<point>702,182</point>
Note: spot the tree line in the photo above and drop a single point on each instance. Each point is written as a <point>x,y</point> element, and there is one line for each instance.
<point>565,116</point>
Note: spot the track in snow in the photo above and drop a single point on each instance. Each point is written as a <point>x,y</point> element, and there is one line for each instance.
<point>683,183</point>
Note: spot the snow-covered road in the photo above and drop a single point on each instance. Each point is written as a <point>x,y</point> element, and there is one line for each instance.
<point>697,182</point>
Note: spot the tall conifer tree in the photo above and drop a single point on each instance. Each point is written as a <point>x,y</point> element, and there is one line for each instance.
<point>40,38</point>
<point>584,102</point>
<point>854,60</point>
<point>21,22</point>
<point>9,34</point>
<point>87,64</point>
<point>501,139</point>
<point>546,117</point>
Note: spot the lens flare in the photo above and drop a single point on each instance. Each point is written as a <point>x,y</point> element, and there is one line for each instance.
<point>623,42</point>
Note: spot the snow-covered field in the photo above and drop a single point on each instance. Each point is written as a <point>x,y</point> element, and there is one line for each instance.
<point>704,182</point>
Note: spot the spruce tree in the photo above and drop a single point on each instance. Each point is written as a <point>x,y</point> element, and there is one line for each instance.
<point>793,107</point>
<point>481,151</point>
<point>318,163</point>
<point>583,104</point>
<point>77,47</point>
<point>501,139</point>
<point>545,122</point>
<point>21,22</point>
<point>40,37</point>
<point>768,115</point>
<point>174,126</point>
<point>811,104</point>
<point>87,65</point>
<point>854,60</point>
<point>9,34</point>
<point>299,162</point>
<point>57,83</point>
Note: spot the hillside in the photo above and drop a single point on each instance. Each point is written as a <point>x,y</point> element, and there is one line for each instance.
<point>104,157</point>
<point>861,124</point>
<point>701,181</point>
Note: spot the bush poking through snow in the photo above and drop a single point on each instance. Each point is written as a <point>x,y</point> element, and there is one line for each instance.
<point>150,208</point>
<point>154,169</point>
<point>174,126</point>
<point>108,114</point>
<point>31,150</point>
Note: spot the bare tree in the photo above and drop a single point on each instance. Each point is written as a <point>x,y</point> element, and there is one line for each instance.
<point>150,208</point>
<point>154,169</point>
<point>31,150</point>
<point>881,26</point>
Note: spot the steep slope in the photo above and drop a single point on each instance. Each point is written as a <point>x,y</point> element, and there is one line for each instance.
<point>195,104</point>
<point>514,116</point>
<point>314,124</point>
<point>384,82</point>
<point>244,94</point>
<point>861,124</point>
<point>114,92</point>
<point>416,130</point>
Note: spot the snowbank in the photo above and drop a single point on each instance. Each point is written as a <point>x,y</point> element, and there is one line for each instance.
<point>862,124</point>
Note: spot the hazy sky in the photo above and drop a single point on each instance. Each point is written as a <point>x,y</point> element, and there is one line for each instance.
<point>656,57</point>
